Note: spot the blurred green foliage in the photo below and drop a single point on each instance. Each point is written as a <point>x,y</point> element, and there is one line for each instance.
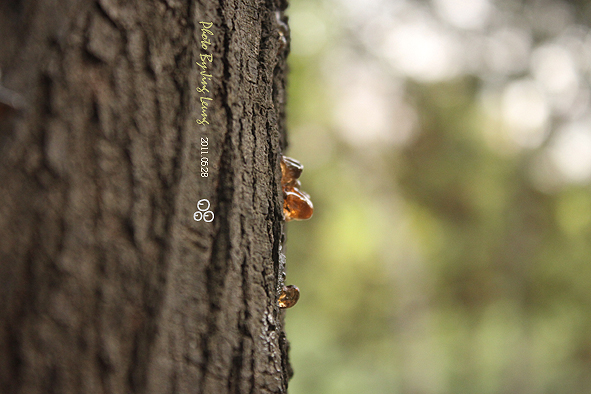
<point>434,266</point>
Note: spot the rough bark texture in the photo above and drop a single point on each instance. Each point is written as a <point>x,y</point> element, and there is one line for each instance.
<point>107,283</point>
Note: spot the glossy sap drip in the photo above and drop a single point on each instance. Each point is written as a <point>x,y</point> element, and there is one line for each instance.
<point>296,206</point>
<point>296,203</point>
<point>289,296</point>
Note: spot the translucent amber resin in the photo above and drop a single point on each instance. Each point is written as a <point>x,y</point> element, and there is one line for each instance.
<point>291,169</point>
<point>296,203</point>
<point>289,296</point>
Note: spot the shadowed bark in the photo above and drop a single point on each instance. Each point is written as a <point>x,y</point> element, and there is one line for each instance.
<point>108,284</point>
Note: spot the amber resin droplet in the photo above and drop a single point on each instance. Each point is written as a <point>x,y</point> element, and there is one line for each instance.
<point>289,296</point>
<point>296,205</point>
<point>291,169</point>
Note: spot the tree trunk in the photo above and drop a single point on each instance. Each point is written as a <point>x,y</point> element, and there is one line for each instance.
<point>112,278</point>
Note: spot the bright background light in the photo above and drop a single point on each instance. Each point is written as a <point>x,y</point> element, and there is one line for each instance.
<point>447,150</point>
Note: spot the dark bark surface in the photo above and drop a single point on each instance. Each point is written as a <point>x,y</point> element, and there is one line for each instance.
<point>107,283</point>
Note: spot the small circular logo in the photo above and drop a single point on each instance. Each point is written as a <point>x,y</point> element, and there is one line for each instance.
<point>203,212</point>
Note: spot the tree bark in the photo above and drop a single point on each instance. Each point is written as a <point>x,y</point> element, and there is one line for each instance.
<point>108,284</point>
